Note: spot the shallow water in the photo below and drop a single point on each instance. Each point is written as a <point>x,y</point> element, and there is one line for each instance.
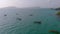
<point>11,25</point>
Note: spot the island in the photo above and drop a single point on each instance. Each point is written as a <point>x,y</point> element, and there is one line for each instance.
<point>58,13</point>
<point>57,8</point>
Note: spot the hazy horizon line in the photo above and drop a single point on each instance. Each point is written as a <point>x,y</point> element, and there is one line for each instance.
<point>22,7</point>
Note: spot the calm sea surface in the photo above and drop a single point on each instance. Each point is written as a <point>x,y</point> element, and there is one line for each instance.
<point>9,24</point>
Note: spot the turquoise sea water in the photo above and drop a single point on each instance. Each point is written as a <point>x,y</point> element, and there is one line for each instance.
<point>11,25</point>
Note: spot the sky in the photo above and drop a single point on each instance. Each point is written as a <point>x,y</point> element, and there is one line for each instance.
<point>30,3</point>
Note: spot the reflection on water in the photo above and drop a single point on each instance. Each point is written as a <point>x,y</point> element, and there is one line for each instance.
<point>20,22</point>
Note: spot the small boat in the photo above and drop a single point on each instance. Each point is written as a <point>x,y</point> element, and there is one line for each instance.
<point>5,15</point>
<point>38,22</point>
<point>19,19</point>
